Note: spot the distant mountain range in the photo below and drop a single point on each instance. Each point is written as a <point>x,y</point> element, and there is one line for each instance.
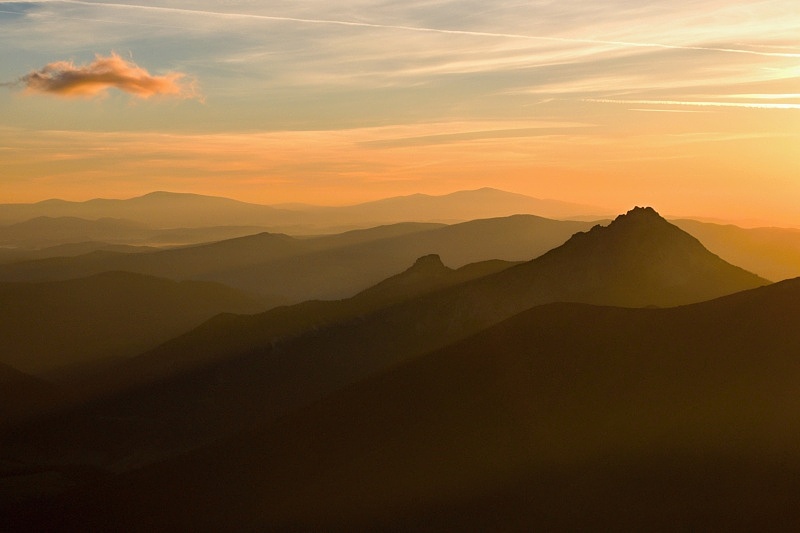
<point>175,210</point>
<point>773,253</point>
<point>43,232</point>
<point>290,269</point>
<point>56,228</point>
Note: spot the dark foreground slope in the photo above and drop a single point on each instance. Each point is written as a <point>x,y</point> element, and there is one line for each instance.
<point>51,326</point>
<point>564,417</point>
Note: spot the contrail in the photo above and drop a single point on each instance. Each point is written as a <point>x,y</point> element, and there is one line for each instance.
<point>668,110</point>
<point>419,29</point>
<point>750,105</point>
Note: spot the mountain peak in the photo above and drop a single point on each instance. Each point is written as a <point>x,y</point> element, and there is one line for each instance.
<point>430,262</point>
<point>639,259</point>
<point>638,216</point>
<point>426,274</point>
<point>642,212</point>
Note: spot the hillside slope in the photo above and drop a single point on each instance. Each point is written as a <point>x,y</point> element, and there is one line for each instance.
<point>564,417</point>
<point>233,371</point>
<point>52,326</point>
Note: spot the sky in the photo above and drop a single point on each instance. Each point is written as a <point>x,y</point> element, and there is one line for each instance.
<point>691,106</point>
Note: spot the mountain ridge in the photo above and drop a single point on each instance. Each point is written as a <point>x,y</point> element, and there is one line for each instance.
<point>110,314</point>
<point>551,417</point>
<point>167,209</point>
<point>262,366</point>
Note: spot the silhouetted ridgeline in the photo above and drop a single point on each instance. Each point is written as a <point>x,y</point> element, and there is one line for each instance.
<point>253,368</point>
<point>291,270</point>
<point>173,210</point>
<point>493,396</point>
<point>566,416</point>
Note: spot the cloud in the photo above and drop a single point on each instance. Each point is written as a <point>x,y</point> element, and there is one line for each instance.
<point>228,16</point>
<point>748,105</point>
<point>64,78</point>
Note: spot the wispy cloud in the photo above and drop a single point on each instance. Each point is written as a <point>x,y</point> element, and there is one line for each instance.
<point>539,129</point>
<point>749,105</point>
<point>64,78</point>
<point>645,110</point>
<point>427,29</point>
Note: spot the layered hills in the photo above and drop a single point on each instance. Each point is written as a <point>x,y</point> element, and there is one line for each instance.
<point>53,229</point>
<point>40,233</point>
<point>290,269</point>
<point>169,210</point>
<point>52,326</point>
<point>628,378</point>
<point>233,371</point>
<point>565,416</point>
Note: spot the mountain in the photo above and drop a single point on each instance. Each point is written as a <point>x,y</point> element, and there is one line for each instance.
<point>773,253</point>
<point>339,272</point>
<point>39,234</point>
<point>233,371</point>
<point>169,210</point>
<point>454,207</point>
<point>189,262</point>
<point>157,209</point>
<point>17,255</point>
<point>564,417</point>
<point>51,326</point>
<point>240,334</point>
<point>44,231</point>
<point>639,259</point>
<point>184,393</point>
<point>292,270</point>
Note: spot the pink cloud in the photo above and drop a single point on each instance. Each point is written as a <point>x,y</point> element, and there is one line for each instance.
<point>64,78</point>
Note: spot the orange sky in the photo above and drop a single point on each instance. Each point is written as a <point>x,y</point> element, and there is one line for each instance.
<point>692,107</point>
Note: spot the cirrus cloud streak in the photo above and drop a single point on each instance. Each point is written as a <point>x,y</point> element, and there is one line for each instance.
<point>64,78</point>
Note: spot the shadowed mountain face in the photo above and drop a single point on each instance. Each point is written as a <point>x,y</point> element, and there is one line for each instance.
<point>639,259</point>
<point>55,325</point>
<point>234,371</point>
<point>564,417</point>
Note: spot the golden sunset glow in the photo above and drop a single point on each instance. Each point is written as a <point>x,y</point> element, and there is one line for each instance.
<point>693,108</point>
